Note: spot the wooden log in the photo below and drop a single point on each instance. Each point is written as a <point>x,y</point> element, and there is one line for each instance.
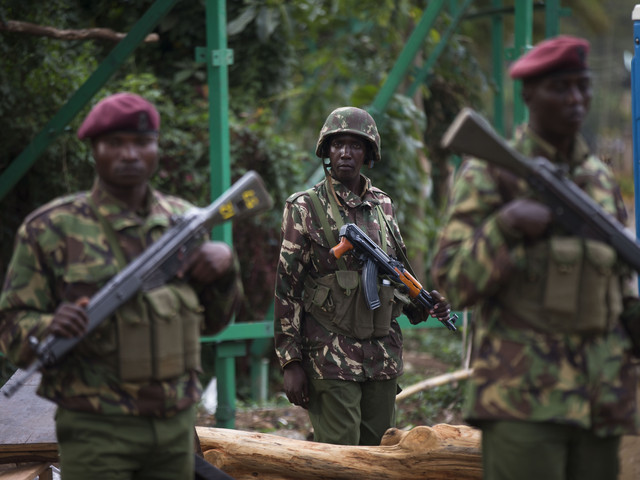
<point>434,382</point>
<point>27,472</point>
<point>437,453</point>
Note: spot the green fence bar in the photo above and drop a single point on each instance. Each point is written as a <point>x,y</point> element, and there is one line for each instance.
<point>411,48</point>
<point>218,59</point>
<point>497,66</point>
<point>437,51</point>
<point>523,39</point>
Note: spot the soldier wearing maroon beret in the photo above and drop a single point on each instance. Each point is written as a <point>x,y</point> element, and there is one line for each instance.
<point>553,386</point>
<point>127,393</point>
<point>124,112</point>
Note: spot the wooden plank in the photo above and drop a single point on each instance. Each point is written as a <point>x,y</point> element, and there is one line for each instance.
<point>25,472</point>
<point>27,426</point>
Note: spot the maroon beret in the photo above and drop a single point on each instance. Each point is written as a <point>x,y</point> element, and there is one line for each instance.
<point>120,112</point>
<point>561,53</point>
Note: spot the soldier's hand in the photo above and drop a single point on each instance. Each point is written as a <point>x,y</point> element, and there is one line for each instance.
<point>528,216</point>
<point>442,309</point>
<point>296,384</point>
<point>70,319</point>
<point>208,263</point>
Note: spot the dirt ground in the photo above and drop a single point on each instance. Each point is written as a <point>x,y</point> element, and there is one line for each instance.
<point>293,422</point>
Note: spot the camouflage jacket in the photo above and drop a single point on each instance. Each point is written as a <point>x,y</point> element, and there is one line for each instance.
<point>305,251</point>
<point>520,372</point>
<point>61,254</point>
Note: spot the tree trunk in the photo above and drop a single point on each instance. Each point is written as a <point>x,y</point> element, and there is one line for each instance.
<point>438,452</point>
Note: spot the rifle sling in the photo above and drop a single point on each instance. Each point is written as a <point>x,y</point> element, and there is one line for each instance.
<point>328,232</point>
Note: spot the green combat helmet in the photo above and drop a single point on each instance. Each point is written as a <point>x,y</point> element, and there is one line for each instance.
<point>350,120</point>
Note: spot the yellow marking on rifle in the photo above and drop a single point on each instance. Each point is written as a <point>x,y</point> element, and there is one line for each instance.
<point>250,198</point>
<point>227,210</point>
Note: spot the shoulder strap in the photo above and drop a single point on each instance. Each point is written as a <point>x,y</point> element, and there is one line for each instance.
<point>322,216</point>
<point>404,258</point>
<point>382,220</point>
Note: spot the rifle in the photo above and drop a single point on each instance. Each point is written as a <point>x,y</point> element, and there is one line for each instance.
<point>471,134</point>
<point>156,265</point>
<point>377,261</point>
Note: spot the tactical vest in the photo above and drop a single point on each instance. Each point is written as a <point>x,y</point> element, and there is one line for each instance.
<point>569,285</point>
<point>157,333</point>
<point>337,300</point>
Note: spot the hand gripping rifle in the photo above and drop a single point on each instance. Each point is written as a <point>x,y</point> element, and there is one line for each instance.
<point>471,134</point>
<point>156,265</point>
<point>377,261</point>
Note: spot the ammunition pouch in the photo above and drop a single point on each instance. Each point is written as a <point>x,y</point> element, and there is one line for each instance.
<point>159,334</point>
<point>337,302</point>
<point>568,285</point>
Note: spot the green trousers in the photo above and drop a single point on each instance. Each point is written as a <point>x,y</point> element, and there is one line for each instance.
<point>351,413</point>
<point>547,451</point>
<point>125,447</point>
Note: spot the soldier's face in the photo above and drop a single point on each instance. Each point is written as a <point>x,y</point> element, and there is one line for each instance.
<point>558,104</point>
<point>347,153</point>
<point>125,160</point>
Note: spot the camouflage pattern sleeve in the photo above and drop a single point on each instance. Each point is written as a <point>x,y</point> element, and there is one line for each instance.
<point>26,303</point>
<point>294,255</point>
<point>475,254</point>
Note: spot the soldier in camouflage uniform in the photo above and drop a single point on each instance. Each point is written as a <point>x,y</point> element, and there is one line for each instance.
<point>553,385</point>
<point>126,394</point>
<point>341,361</point>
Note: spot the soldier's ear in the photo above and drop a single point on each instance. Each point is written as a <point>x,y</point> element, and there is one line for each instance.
<point>529,86</point>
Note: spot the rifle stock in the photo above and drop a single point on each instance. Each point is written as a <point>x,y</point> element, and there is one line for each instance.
<point>471,134</point>
<point>156,265</point>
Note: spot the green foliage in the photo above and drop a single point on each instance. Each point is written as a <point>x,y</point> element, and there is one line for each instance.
<point>442,344</point>
<point>439,404</point>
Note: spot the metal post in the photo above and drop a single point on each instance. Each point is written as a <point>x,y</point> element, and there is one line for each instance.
<point>439,48</point>
<point>551,18</point>
<point>523,36</point>
<point>414,43</point>
<point>497,66</point>
<point>226,354</point>
<point>635,113</point>
<point>218,58</point>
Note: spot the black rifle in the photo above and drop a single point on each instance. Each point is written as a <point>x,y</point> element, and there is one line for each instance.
<point>471,134</point>
<point>156,265</point>
<point>377,261</point>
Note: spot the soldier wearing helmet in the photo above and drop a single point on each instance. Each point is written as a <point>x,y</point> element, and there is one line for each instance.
<point>341,361</point>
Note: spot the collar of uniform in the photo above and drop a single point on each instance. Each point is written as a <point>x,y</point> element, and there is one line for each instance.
<point>120,216</point>
<point>533,144</point>
<point>351,199</point>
